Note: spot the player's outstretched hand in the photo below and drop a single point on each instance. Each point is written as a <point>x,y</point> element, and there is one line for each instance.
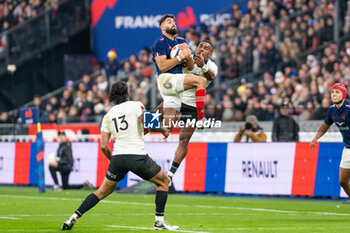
<point>199,60</point>
<point>165,133</point>
<point>313,143</point>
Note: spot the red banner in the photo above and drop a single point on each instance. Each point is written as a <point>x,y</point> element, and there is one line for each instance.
<point>73,131</point>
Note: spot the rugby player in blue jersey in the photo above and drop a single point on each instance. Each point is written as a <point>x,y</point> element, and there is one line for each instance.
<point>170,78</point>
<point>339,113</point>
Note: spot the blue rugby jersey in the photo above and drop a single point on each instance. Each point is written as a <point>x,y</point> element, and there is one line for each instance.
<point>341,117</point>
<point>162,47</point>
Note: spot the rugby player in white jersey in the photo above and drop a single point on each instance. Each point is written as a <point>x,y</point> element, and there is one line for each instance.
<point>203,67</point>
<point>124,123</point>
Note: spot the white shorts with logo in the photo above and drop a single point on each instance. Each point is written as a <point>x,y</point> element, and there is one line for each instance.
<point>345,159</point>
<point>170,86</point>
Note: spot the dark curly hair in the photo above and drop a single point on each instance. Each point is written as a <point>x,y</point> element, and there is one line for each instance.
<point>165,17</point>
<point>118,93</point>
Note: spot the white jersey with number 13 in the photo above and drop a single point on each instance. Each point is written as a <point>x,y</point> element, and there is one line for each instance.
<point>122,122</point>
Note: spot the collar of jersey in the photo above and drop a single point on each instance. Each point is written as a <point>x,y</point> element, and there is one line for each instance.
<point>343,106</point>
<point>167,38</point>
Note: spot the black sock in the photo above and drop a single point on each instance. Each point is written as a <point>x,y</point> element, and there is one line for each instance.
<point>87,204</point>
<point>174,167</point>
<point>161,198</point>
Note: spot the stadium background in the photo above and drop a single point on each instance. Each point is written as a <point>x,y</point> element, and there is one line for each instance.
<point>266,51</point>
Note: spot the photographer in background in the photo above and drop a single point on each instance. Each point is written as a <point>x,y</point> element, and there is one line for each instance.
<point>250,131</point>
<point>64,165</point>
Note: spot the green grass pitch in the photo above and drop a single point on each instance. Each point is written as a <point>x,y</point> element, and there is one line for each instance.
<point>23,209</point>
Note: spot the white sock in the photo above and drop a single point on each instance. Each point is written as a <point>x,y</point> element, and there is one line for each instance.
<point>170,174</point>
<point>160,218</point>
<point>75,216</point>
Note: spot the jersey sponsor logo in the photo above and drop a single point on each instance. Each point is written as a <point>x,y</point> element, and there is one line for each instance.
<point>341,127</point>
<point>151,120</point>
<point>111,175</point>
<point>339,123</point>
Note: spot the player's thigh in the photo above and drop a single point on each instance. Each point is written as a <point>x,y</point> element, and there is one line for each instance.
<point>185,135</point>
<point>344,175</point>
<point>188,115</point>
<point>193,81</point>
<point>118,167</point>
<point>344,170</point>
<point>170,116</point>
<point>170,84</point>
<point>63,168</point>
<point>144,166</point>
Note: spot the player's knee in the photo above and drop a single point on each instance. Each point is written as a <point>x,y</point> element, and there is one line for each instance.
<point>165,182</point>
<point>202,83</point>
<point>102,193</point>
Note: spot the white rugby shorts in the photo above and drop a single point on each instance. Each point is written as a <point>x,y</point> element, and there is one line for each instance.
<point>345,159</point>
<point>170,86</point>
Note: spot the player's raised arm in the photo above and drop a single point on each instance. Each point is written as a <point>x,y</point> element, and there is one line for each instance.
<point>321,131</point>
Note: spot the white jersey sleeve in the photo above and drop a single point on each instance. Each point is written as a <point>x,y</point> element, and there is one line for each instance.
<point>104,125</point>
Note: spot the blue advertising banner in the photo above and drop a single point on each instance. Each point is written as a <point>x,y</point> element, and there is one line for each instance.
<point>130,25</point>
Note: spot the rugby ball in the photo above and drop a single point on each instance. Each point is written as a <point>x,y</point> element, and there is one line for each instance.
<point>175,51</point>
<point>51,158</point>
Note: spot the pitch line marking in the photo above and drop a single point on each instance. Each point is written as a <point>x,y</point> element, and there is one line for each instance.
<point>20,216</point>
<point>6,217</point>
<point>172,205</point>
<point>150,228</point>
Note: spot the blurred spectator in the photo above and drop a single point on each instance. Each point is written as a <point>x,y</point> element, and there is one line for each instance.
<point>123,74</point>
<point>23,9</point>
<point>87,81</point>
<point>250,131</point>
<point>37,103</point>
<point>285,128</point>
<point>102,83</point>
<point>310,41</point>
<point>321,111</point>
<point>4,118</point>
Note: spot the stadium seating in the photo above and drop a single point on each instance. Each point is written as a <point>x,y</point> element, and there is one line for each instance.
<point>273,52</point>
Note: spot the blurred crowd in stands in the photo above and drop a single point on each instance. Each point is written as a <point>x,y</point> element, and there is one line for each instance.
<point>278,51</point>
<point>14,12</point>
